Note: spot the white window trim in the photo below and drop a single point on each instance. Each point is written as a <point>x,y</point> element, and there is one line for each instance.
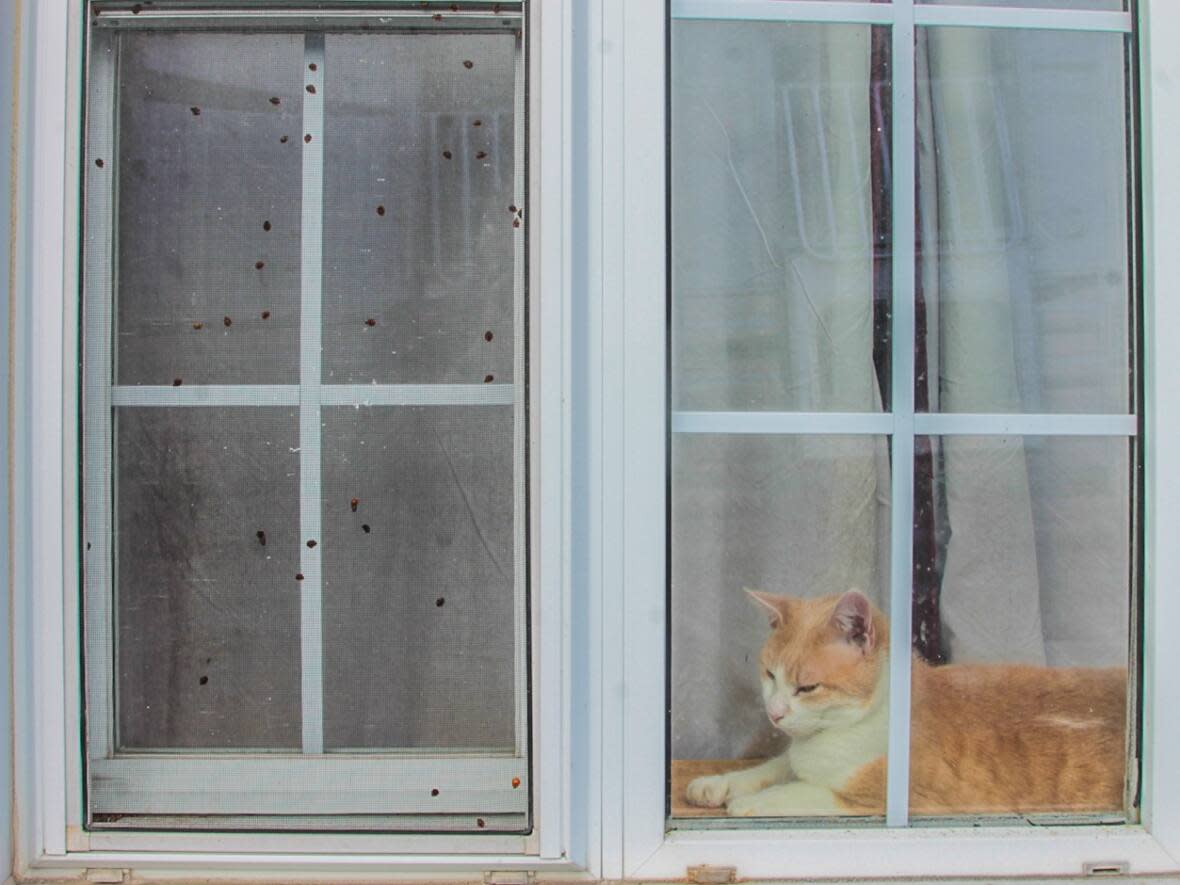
<point>48,837</point>
<point>648,850</point>
<point>598,254</point>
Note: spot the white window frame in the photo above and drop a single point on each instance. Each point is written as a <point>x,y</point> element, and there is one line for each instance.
<point>649,850</point>
<point>49,837</point>
<point>598,256</point>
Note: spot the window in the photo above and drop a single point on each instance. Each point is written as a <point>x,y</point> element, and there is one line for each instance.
<point>305,517</point>
<point>623,374</point>
<point>776,402</point>
<point>909,378</point>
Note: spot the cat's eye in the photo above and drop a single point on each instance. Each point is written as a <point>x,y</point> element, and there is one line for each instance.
<point>806,689</point>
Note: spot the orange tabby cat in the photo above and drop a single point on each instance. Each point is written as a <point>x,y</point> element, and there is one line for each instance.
<point>984,738</point>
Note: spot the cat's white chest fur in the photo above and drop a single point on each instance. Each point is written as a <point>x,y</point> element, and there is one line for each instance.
<point>834,733</point>
<point>806,779</point>
<point>830,757</point>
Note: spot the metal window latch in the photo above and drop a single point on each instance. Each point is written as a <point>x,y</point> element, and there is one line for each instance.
<point>1106,868</point>
<point>509,877</point>
<point>707,875</point>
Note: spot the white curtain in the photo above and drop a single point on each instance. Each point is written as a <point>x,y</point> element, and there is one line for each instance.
<point>989,598</point>
<point>775,314</point>
<point>1023,270</point>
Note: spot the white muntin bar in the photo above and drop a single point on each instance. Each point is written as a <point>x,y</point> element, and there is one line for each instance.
<point>922,424</point>
<point>311,267</point>
<point>800,423</point>
<point>417,394</point>
<point>783,10</point>
<point>1025,425</point>
<point>206,395</point>
<point>902,488</point>
<point>960,16</point>
<point>1016,17</point>
<point>329,395</point>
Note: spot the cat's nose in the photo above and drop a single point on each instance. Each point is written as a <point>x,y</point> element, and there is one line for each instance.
<point>776,718</point>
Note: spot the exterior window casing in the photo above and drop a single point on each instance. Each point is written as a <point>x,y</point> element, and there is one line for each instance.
<point>597,267</point>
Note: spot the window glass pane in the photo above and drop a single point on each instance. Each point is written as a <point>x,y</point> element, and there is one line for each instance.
<point>800,517</point>
<point>1023,198</point>
<point>1024,547</point>
<point>780,303</point>
<point>418,230</point>
<point>1031,548</point>
<point>779,217</point>
<point>208,200</point>
<point>207,546</point>
<point>419,579</point>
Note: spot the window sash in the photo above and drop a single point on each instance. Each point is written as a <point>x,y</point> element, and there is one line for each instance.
<point>647,849</point>
<point>273,783</point>
<point>902,423</point>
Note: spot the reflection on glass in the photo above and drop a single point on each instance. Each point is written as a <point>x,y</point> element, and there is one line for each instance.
<point>209,200</point>
<point>1030,554</point>
<point>419,209</point>
<point>802,516</point>
<point>207,547</point>
<point>780,212</point>
<point>419,578</point>
<point>1024,299</point>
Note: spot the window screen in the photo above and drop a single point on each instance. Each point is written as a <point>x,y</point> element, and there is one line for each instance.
<point>304,417</point>
<point>904,414</point>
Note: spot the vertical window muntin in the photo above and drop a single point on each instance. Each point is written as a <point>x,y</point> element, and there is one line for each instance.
<point>903,422</point>
<point>445,789</point>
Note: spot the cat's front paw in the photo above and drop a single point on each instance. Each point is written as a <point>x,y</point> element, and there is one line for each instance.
<point>796,798</point>
<point>748,806</point>
<point>710,791</point>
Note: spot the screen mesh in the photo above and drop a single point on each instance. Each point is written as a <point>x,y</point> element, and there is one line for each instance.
<point>207,540</point>
<point>418,231</point>
<point>208,192</point>
<point>304,425</point>
<point>418,580</point>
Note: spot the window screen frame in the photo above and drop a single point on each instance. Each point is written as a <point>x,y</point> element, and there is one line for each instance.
<point>598,262</point>
<point>396,783</point>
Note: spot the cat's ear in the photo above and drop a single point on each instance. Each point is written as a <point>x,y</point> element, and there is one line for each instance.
<point>853,617</point>
<point>776,608</point>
